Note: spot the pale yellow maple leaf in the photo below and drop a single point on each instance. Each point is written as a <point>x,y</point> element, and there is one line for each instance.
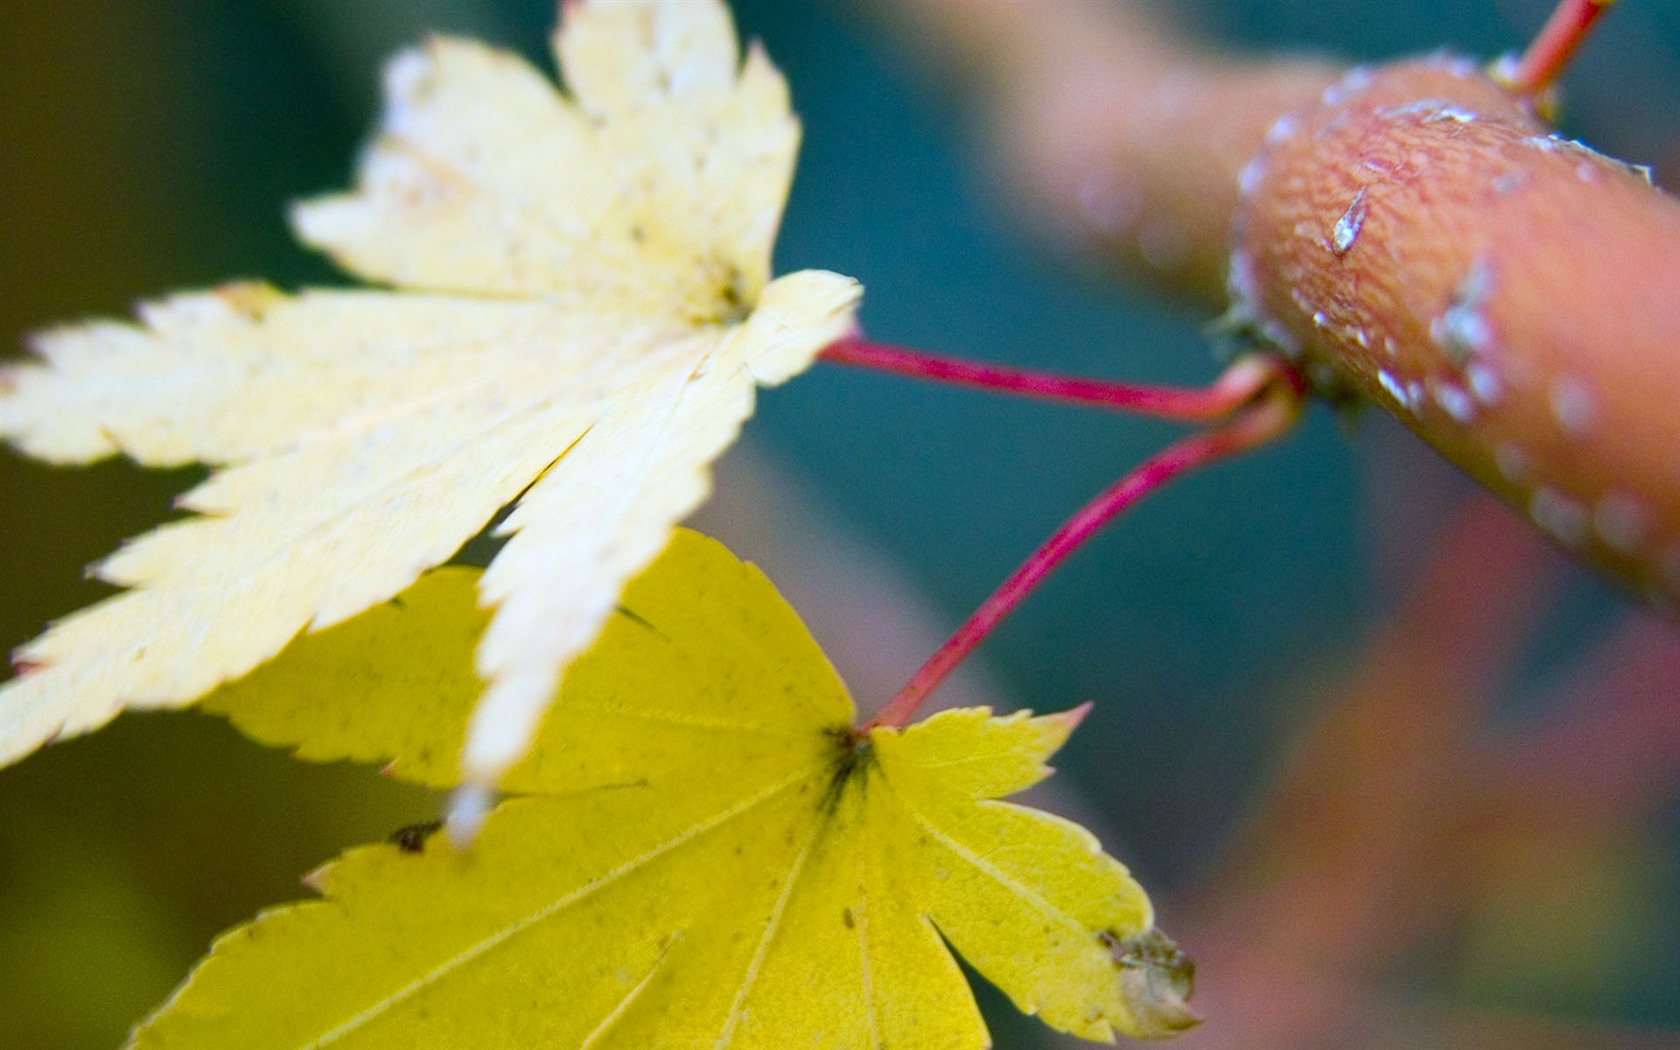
<point>585,311</point>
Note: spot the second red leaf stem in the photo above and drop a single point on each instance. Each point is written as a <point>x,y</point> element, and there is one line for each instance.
<point>1256,426</point>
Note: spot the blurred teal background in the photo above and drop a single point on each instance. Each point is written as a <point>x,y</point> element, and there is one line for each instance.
<point>152,145</point>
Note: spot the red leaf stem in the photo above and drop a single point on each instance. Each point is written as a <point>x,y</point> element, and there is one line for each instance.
<point>1254,427</point>
<point>1237,386</point>
<point>1555,45</point>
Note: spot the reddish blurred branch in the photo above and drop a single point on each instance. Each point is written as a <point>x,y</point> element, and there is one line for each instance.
<point>1404,808</point>
<point>1411,233</point>
<point>1110,129</point>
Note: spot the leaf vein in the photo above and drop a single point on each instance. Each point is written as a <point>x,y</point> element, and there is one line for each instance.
<point>549,910</point>
<point>979,863</point>
<point>718,725</point>
<point>738,1008</point>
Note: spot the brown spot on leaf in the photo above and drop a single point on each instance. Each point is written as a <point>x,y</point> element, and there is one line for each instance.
<point>1156,980</point>
<point>411,838</point>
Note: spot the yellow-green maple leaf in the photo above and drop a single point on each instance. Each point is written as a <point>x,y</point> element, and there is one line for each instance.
<point>586,310</point>
<point>707,856</point>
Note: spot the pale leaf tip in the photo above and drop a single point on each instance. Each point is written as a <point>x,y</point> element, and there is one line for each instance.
<point>1072,718</point>
<point>465,814</point>
<point>407,71</point>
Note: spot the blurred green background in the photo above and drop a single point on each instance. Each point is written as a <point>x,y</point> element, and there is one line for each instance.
<point>151,145</point>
